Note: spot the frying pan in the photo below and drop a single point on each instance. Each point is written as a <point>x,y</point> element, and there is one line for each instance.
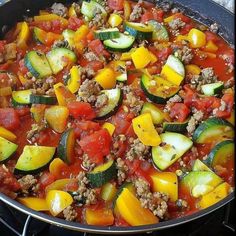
<point>205,11</point>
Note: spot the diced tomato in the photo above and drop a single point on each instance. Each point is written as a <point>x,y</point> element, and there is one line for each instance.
<point>74,23</point>
<point>22,68</point>
<point>153,14</point>
<point>2,46</point>
<point>183,17</point>
<point>23,111</point>
<point>95,65</point>
<point>164,53</point>
<point>96,145</point>
<point>147,16</point>
<point>211,36</point>
<point>116,4</point>
<point>81,110</point>
<point>186,28</point>
<point>90,35</point>
<point>228,98</point>
<point>9,118</point>
<point>189,95</point>
<point>84,128</point>
<point>45,179</point>
<point>97,47</point>
<point>179,111</point>
<point>206,104</point>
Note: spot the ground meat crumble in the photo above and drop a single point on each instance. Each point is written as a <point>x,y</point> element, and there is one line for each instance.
<point>122,170</point>
<point>156,202</point>
<point>28,184</point>
<point>137,12</point>
<point>185,54</point>
<point>195,119</point>
<point>69,213</point>
<point>59,9</point>
<point>175,25</point>
<point>169,103</point>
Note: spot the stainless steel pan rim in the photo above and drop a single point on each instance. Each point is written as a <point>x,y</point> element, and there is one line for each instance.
<point>113,229</point>
<point>134,229</point>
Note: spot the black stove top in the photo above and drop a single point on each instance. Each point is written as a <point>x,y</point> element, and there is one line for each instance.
<point>218,223</point>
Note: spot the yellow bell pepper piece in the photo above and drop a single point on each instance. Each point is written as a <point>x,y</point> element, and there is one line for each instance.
<point>57,201</point>
<point>5,91</point>
<point>166,182</point>
<point>72,11</point>
<point>56,165</point>
<point>63,94</point>
<point>127,9</point>
<point>153,58</point>
<point>23,36</point>
<point>108,192</point>
<point>103,217</point>
<point>129,207</point>
<point>215,196</point>
<point>58,184</point>
<point>115,20</point>
<point>110,127</point>
<point>144,128</point>
<point>168,73</point>
<point>75,80</point>
<point>211,46</point>
<point>196,38</point>
<point>106,78</point>
<point>127,55</point>
<point>141,57</point>
<point>37,204</point>
<point>51,17</point>
<point>22,79</point>
<point>170,18</point>
<point>193,69</point>
<point>181,38</point>
<point>4,133</point>
<point>43,12</point>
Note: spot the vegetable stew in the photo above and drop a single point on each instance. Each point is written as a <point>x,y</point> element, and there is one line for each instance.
<point>116,113</point>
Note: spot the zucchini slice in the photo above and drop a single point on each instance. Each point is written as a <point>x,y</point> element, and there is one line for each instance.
<point>213,129</point>
<point>89,9</point>
<point>221,153</point>
<point>39,35</point>
<point>65,149</point>
<point>200,166</point>
<point>7,149</point>
<point>199,183</point>
<point>179,127</point>
<point>42,99</point>
<point>58,58</point>
<point>105,34</point>
<point>157,89</point>
<point>69,36</point>
<point>34,159</point>
<point>22,97</point>
<point>160,32</point>
<point>174,146</point>
<point>156,113</point>
<point>114,102</point>
<point>175,63</point>
<point>139,30</point>
<point>102,174</point>
<point>212,89</point>
<point>121,44</point>
<point>37,64</point>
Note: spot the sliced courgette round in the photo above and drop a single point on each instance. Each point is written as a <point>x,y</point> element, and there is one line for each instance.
<point>213,129</point>
<point>212,89</point>
<point>37,64</point>
<point>7,149</point>
<point>158,89</point>
<point>139,30</point>
<point>173,146</point>
<point>221,153</point>
<point>65,149</point>
<point>102,174</point>
<point>200,166</point>
<point>21,97</point>
<point>179,127</point>
<point>121,44</point>
<point>114,102</point>
<point>34,159</point>
<point>160,32</point>
<point>105,34</point>
<point>39,35</point>
<point>43,99</point>
<point>69,36</point>
<point>156,113</point>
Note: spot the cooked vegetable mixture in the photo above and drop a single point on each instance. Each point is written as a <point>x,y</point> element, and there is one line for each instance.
<point>116,113</point>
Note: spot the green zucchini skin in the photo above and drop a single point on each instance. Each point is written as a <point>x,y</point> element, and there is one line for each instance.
<point>138,30</point>
<point>123,43</point>
<point>69,36</point>
<point>160,32</point>
<point>21,97</point>
<point>200,166</point>
<point>111,33</point>
<point>220,153</point>
<point>66,146</point>
<point>179,127</point>
<point>115,98</point>
<point>7,149</point>
<point>42,99</point>
<point>37,64</point>
<point>216,128</point>
<point>160,99</point>
<point>28,162</point>
<point>212,89</point>
<point>99,178</point>
<point>38,35</point>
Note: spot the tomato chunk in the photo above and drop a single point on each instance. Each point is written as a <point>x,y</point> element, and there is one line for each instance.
<point>179,111</point>
<point>96,145</point>
<point>9,118</point>
<point>81,110</point>
<point>74,23</point>
<point>116,4</point>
